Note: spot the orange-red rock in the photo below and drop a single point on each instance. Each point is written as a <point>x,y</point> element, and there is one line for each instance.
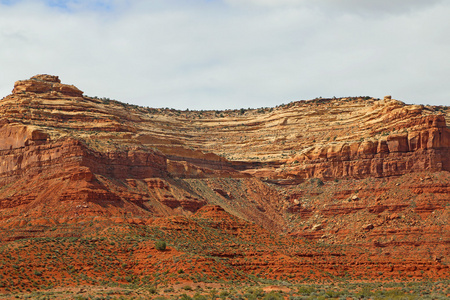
<point>366,173</point>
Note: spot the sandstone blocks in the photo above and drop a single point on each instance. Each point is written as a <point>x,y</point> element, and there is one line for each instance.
<point>45,84</point>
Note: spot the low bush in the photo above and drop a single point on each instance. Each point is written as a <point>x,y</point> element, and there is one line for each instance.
<point>160,245</point>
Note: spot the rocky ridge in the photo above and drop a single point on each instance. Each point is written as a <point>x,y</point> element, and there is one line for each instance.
<point>350,171</point>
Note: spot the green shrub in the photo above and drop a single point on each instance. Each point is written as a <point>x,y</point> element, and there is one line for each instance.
<point>305,290</point>
<point>160,245</point>
<point>184,297</point>
<point>152,289</point>
<point>273,296</point>
<point>198,296</point>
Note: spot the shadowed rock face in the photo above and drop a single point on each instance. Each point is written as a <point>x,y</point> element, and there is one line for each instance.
<point>350,171</point>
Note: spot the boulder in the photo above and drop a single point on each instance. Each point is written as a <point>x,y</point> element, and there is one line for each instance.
<point>46,77</point>
<point>66,89</point>
<point>31,86</point>
<point>367,226</point>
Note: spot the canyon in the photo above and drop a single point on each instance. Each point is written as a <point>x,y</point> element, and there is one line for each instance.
<point>355,188</point>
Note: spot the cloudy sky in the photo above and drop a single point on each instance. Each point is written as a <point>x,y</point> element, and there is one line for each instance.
<point>218,54</point>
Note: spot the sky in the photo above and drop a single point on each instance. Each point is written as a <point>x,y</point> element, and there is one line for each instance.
<point>230,54</point>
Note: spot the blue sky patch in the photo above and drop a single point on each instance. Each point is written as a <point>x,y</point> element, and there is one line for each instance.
<point>71,5</point>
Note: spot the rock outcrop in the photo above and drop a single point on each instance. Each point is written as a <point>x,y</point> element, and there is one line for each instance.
<point>46,84</point>
<point>424,146</point>
<point>349,172</point>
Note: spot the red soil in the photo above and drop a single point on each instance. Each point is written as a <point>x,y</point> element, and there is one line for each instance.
<point>88,185</point>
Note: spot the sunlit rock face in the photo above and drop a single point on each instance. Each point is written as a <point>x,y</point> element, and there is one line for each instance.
<point>348,171</point>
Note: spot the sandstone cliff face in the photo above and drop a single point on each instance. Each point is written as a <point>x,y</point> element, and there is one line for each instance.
<point>367,172</point>
<point>47,124</point>
<point>61,149</point>
<point>17,136</point>
<point>424,146</point>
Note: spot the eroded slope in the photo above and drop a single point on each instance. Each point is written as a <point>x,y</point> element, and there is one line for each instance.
<point>351,173</point>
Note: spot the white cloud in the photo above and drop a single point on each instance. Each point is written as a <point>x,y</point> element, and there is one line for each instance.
<point>267,3</point>
<point>212,54</point>
<point>373,7</point>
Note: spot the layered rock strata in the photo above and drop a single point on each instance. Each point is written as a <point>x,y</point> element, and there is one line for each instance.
<point>324,169</point>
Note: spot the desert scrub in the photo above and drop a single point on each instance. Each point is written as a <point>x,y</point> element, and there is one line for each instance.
<point>273,296</point>
<point>160,245</point>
